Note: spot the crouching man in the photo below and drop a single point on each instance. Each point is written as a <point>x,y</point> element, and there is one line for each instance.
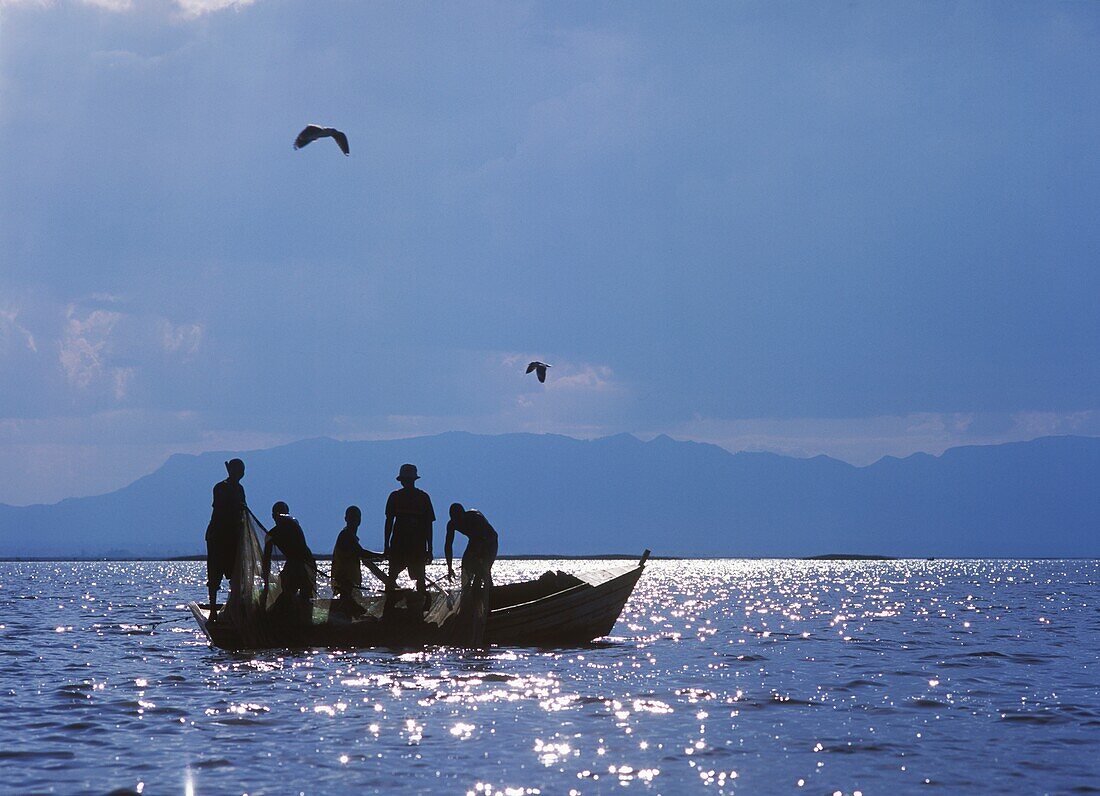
<point>481,546</point>
<point>347,577</point>
<point>298,577</point>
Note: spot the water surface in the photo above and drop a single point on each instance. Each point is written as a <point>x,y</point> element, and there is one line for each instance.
<point>721,677</point>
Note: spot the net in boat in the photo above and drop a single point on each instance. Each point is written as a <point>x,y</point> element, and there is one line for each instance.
<point>254,606</point>
<point>262,620</point>
<point>250,594</point>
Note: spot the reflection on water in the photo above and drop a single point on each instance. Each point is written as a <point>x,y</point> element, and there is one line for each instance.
<point>722,677</point>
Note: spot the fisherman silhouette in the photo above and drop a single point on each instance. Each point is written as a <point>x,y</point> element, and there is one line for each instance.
<point>408,536</point>
<point>347,577</point>
<point>224,531</point>
<point>298,577</point>
<point>481,547</point>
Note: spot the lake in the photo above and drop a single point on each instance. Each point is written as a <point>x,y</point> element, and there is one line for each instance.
<point>722,676</point>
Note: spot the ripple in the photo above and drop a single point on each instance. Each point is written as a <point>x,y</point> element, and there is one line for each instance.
<point>733,675</point>
<point>36,754</point>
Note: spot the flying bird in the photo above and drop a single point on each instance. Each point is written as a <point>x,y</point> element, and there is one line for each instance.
<point>315,131</point>
<point>540,370</point>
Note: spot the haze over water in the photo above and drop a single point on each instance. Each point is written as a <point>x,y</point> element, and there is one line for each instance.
<point>721,677</point>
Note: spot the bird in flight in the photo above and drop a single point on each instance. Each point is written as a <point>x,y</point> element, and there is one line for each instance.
<point>540,370</point>
<point>315,131</point>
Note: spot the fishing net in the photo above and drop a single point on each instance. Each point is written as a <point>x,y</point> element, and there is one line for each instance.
<point>265,617</point>
<point>254,606</point>
<point>250,594</point>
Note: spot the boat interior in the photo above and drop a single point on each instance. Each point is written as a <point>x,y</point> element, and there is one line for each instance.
<point>501,596</point>
<point>549,583</point>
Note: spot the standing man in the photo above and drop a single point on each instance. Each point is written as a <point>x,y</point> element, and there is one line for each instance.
<point>224,531</point>
<point>481,549</point>
<point>409,518</point>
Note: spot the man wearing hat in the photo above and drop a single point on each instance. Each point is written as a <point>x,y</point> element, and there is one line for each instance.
<point>409,518</point>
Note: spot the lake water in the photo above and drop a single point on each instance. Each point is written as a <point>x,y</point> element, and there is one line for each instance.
<point>721,677</point>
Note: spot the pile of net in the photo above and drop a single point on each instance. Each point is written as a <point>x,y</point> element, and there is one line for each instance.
<point>254,605</point>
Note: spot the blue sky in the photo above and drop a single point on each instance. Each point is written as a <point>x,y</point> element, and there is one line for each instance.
<point>848,228</point>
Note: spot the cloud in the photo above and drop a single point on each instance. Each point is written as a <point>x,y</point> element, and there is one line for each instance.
<point>189,8</point>
<point>861,441</point>
<point>120,382</point>
<point>493,395</point>
<point>48,459</point>
<point>591,378</point>
<point>11,327</point>
<point>92,352</point>
<point>563,375</point>
<point>110,5</point>
<point>186,338</point>
<point>196,8</point>
<point>84,344</point>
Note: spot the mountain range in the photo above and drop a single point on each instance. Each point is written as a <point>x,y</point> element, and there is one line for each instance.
<point>555,494</point>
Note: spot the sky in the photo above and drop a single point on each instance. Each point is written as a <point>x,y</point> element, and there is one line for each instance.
<point>848,228</point>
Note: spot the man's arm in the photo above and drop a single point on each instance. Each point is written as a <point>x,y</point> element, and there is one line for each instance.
<point>448,547</point>
<point>365,555</point>
<point>309,552</point>
<point>389,533</point>
<point>430,517</point>
<point>267,558</point>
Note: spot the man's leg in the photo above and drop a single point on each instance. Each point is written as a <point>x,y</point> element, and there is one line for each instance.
<point>489,561</point>
<point>213,578</point>
<point>397,564</point>
<point>416,572</point>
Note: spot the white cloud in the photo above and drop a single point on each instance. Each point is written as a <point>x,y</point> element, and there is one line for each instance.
<point>110,5</point>
<point>184,338</point>
<point>190,8</point>
<point>861,441</point>
<point>563,375</point>
<point>84,343</point>
<point>195,8</point>
<point>120,382</point>
<point>592,378</point>
<point>11,327</point>
<point>99,348</point>
<point>47,459</point>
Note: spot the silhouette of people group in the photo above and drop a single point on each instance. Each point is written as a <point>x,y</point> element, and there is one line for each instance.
<point>407,545</point>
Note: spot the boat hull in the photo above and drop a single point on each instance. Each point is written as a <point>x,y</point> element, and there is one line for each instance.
<point>557,610</point>
<point>576,615</point>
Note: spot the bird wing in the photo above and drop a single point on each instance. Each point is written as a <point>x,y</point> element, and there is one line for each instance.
<point>341,141</point>
<point>531,367</point>
<point>311,133</point>
<point>541,373</point>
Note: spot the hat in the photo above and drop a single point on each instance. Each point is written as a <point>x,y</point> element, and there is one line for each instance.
<point>408,473</point>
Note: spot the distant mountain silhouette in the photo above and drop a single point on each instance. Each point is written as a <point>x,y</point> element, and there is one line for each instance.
<point>554,494</point>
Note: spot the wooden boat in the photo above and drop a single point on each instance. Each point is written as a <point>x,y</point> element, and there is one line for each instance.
<point>556,609</point>
<point>559,608</point>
